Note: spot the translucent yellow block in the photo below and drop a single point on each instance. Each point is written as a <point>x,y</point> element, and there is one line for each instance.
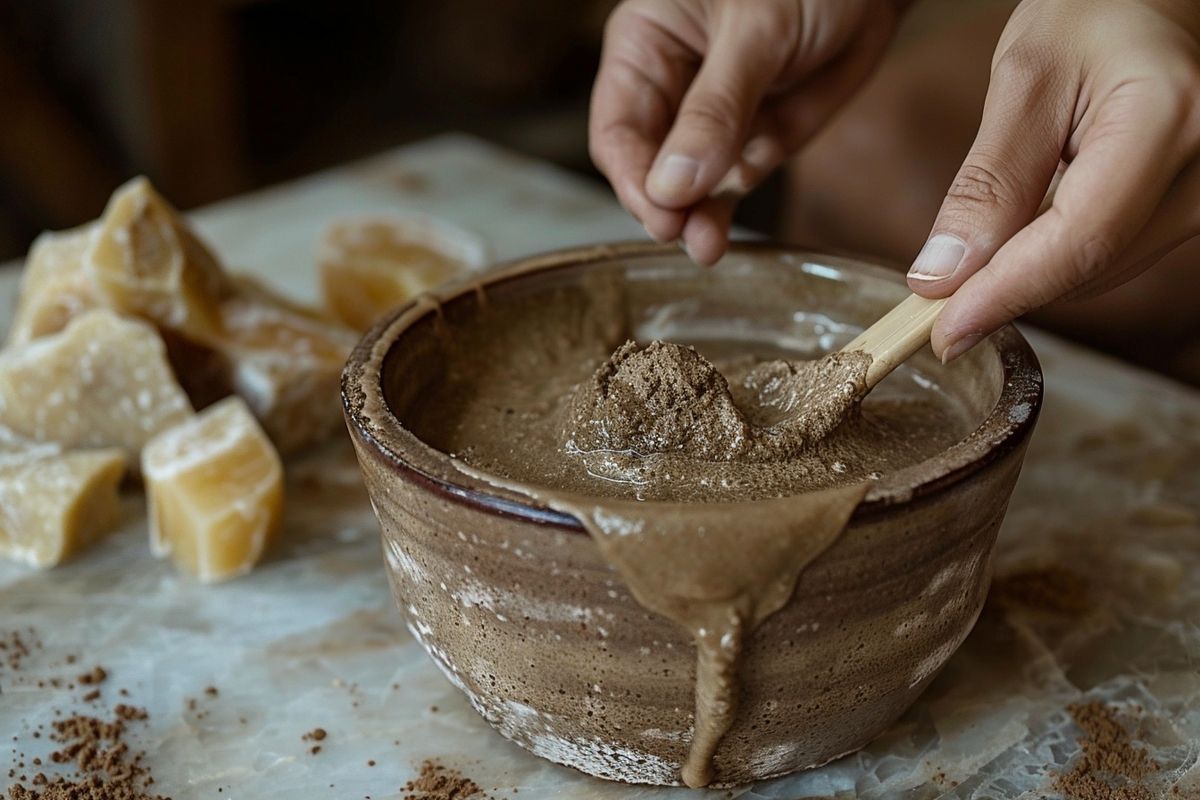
<point>215,490</point>
<point>103,381</point>
<point>144,260</point>
<point>372,266</point>
<point>54,286</point>
<point>225,334</point>
<point>54,503</point>
<point>286,362</point>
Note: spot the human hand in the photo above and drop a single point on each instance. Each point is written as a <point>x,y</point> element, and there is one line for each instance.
<point>1101,100</point>
<point>696,101</point>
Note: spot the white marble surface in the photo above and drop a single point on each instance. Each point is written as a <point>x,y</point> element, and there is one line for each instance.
<point>1110,495</point>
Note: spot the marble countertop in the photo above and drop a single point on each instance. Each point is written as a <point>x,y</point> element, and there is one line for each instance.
<point>1097,593</point>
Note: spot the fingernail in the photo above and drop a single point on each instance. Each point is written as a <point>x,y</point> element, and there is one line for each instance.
<point>960,346</point>
<point>650,233</point>
<point>674,174</point>
<point>940,256</point>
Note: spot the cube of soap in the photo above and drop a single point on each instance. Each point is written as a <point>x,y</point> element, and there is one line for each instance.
<point>215,491</point>
<point>54,286</point>
<point>144,260</point>
<point>103,381</point>
<point>372,266</point>
<point>286,362</point>
<point>54,503</point>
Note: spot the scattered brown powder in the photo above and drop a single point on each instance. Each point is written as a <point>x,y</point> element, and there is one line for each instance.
<point>436,782</point>
<point>1054,589</point>
<point>95,676</point>
<point>315,735</point>
<point>99,764</point>
<point>1110,767</point>
<point>16,646</point>
<point>211,691</point>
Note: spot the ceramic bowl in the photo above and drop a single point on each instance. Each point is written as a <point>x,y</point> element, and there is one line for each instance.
<point>516,606</point>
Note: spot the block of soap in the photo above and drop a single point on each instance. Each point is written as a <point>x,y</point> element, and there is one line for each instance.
<point>224,334</point>
<point>286,362</point>
<point>372,266</point>
<point>54,503</point>
<point>144,260</point>
<point>54,286</point>
<point>215,491</point>
<point>103,381</point>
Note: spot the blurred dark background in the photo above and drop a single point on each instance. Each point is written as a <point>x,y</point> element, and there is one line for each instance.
<point>211,98</point>
<point>214,97</point>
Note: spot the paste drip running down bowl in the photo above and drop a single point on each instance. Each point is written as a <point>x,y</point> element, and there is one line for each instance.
<point>516,603</point>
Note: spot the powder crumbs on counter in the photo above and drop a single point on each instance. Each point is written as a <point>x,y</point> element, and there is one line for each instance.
<point>95,676</point>
<point>104,766</point>
<point>436,782</point>
<point>315,735</point>
<point>1110,766</point>
<point>16,646</point>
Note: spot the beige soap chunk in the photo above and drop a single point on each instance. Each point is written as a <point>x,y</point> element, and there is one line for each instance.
<point>215,491</point>
<point>372,266</point>
<point>144,260</point>
<point>286,362</point>
<point>224,334</point>
<point>103,381</point>
<point>54,286</point>
<point>54,503</point>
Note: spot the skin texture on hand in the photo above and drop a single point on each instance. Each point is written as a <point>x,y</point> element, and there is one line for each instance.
<point>1096,103</point>
<point>697,101</point>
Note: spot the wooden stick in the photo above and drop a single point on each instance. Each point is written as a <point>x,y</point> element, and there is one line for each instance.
<point>896,335</point>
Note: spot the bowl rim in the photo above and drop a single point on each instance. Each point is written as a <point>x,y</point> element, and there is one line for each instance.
<point>373,425</point>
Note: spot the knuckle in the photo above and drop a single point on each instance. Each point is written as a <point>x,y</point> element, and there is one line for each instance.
<point>978,186</point>
<point>712,113</point>
<point>1183,97</point>
<point>1024,62</point>
<point>1095,254</point>
<point>1088,259</point>
<point>772,18</point>
<point>625,14</point>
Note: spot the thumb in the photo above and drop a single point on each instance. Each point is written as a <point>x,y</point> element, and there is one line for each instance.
<point>1002,181</point>
<point>748,50</point>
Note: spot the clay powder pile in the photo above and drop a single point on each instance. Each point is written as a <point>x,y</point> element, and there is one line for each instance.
<point>436,782</point>
<point>1110,767</point>
<point>667,398</point>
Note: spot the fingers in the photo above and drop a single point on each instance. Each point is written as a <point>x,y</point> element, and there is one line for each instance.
<point>1025,125</point>
<point>746,54</point>
<point>797,116</point>
<point>781,127</point>
<point>706,232</point>
<point>624,155</point>
<point>1127,160</point>
<point>643,74</point>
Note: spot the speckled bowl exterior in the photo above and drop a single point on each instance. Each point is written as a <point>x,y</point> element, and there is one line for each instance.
<point>517,607</point>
